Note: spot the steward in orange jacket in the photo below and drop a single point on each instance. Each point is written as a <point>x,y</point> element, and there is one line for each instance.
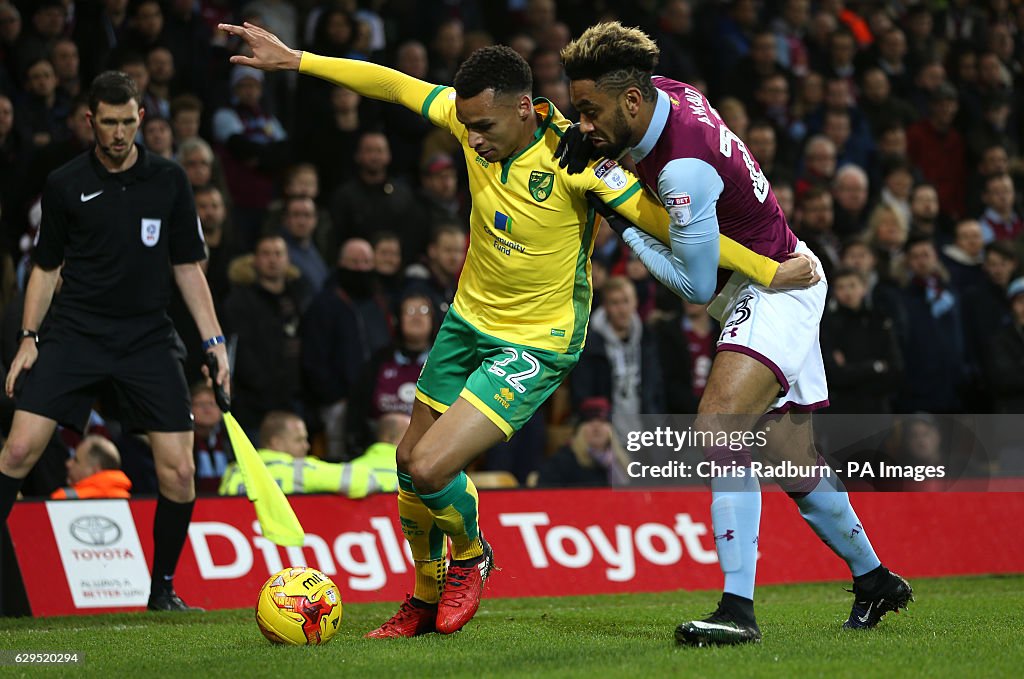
<point>94,472</point>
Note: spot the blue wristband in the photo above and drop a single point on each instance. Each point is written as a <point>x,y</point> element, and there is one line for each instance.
<point>212,342</point>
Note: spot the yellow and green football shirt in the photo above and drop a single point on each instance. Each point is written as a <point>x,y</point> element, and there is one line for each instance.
<point>527,272</point>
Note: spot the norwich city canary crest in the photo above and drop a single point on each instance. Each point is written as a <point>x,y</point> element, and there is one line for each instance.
<point>541,185</point>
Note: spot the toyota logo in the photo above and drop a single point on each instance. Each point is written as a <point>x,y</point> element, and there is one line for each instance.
<point>95,531</point>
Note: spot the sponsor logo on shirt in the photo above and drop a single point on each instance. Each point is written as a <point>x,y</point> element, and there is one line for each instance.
<point>678,206</point>
<point>611,174</point>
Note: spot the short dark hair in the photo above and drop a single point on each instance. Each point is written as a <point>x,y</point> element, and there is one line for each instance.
<point>112,87</point>
<point>614,57</point>
<point>846,272</point>
<point>916,239</point>
<point>1002,248</point>
<point>496,67</point>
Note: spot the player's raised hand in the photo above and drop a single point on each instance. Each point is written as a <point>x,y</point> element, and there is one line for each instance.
<point>268,52</point>
<point>799,271</point>
<point>575,150</point>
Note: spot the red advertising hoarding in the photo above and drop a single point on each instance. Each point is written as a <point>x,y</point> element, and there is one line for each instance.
<point>82,556</point>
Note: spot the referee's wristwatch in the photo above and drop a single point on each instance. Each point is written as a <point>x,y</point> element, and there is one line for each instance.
<point>23,333</point>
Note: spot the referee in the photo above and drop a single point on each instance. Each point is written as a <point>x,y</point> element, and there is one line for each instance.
<point>117,223</point>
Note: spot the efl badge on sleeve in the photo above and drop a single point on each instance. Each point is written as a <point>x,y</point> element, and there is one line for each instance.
<point>150,232</point>
<point>679,207</point>
<point>541,184</point>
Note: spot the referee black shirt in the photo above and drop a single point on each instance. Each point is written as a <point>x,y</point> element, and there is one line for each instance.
<point>117,235</point>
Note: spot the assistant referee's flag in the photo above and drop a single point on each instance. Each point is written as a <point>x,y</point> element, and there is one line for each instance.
<point>277,518</point>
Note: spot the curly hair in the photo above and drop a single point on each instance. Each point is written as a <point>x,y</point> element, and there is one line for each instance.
<point>494,67</point>
<point>614,57</point>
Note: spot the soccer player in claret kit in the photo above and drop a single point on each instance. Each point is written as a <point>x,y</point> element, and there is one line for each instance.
<point>118,223</point>
<point>519,319</point>
<point>768,359</point>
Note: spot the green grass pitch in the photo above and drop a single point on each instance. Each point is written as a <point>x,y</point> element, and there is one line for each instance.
<point>958,627</point>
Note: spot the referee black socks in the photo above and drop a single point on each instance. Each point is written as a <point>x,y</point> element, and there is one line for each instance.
<point>170,528</point>
<point>9,487</point>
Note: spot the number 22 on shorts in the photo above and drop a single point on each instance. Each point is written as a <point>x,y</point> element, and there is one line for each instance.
<point>515,379</point>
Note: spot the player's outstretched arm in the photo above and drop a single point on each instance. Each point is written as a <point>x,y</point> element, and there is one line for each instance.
<point>369,80</point>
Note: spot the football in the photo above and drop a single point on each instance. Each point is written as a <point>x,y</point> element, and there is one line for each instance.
<point>299,606</point>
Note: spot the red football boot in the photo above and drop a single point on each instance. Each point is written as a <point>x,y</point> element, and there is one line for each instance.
<point>411,620</point>
<point>462,591</point>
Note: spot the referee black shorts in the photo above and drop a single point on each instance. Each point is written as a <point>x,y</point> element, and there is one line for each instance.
<point>73,369</point>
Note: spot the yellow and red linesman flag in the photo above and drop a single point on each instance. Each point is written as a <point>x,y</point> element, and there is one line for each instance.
<point>277,518</point>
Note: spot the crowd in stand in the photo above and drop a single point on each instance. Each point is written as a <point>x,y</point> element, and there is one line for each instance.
<point>337,227</point>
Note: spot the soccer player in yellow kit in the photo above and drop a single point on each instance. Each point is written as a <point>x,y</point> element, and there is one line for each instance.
<point>519,319</point>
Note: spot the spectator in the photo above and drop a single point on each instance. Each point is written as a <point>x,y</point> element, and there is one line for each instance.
<point>882,293</point>
<point>145,26</point>
<point>64,57</point>
<point>1000,221</point>
<point>188,38</point>
<point>372,200</point>
<point>43,111</point>
<point>285,452</point>
<point>387,383</point>
<point>347,323</point>
<point>939,151</point>
<point>752,70</point>
<point>675,37</point>
<point>1006,357</point>
<point>333,137</point>
<point>387,264</point>
<point>620,360</point>
<point>964,256</point>
<point>253,144</point>
<point>381,457</point>
<point>439,194</point>
<point>446,52</point>
<point>924,213</point>
<point>94,471</point>
<point>440,273</point>
<point>879,106</point>
<point>815,227</point>
<point>79,138</point>
<point>993,161</point>
<point>217,232</point>
<point>160,65</point>
<point>406,129</point>
<point>897,184</point>
<point>986,307</point>
<point>686,347</point>
<point>763,145</point>
<point>262,311</point>
<point>933,342</point>
<point>186,116</point>
<point>301,180</point>
<point>862,357</point>
<point>790,32</point>
<point>850,195</point>
<point>212,450</point>
<point>887,235</point>
<point>158,137</point>
<point>594,457</point>
<point>98,33</point>
<point>819,166</point>
<point>298,225</point>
